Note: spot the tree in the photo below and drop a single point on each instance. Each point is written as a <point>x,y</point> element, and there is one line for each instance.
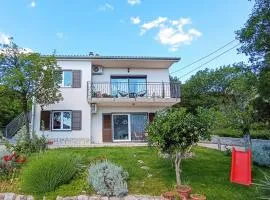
<point>175,130</point>
<point>30,75</point>
<point>10,106</point>
<point>255,35</point>
<point>207,87</point>
<point>255,39</point>
<point>239,107</point>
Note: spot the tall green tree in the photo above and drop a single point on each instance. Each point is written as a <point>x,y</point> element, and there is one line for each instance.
<point>30,75</point>
<point>255,40</point>
<point>10,106</point>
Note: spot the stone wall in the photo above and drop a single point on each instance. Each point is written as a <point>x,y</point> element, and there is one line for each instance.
<point>12,196</point>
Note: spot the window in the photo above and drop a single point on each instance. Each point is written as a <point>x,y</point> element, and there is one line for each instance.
<point>67,79</point>
<point>61,120</point>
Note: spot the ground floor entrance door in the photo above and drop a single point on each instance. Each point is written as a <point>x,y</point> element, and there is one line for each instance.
<point>121,127</point>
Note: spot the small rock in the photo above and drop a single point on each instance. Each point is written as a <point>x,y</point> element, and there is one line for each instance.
<point>2,196</point>
<point>130,197</point>
<point>21,197</point>
<point>59,198</point>
<point>140,161</point>
<point>30,197</point>
<point>70,198</point>
<point>114,198</point>
<point>10,196</point>
<point>149,175</point>
<point>145,167</point>
<point>94,198</point>
<point>104,198</point>
<point>83,197</point>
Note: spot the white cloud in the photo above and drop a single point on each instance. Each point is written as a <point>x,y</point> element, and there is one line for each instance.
<point>106,7</point>
<point>153,24</point>
<point>171,33</point>
<point>60,35</point>
<point>135,20</point>
<point>33,4</point>
<point>4,39</point>
<point>134,2</point>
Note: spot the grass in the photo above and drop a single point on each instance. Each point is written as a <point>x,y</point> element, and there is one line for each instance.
<point>207,173</point>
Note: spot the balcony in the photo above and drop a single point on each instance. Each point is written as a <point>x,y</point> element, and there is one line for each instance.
<point>139,93</point>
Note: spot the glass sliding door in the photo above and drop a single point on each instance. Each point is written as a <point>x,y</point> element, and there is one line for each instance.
<point>128,86</point>
<point>137,86</point>
<point>121,127</point>
<point>138,125</point>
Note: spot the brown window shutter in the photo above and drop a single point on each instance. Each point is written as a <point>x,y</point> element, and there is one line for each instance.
<point>76,120</point>
<point>151,116</point>
<point>76,78</point>
<point>45,120</point>
<point>107,128</point>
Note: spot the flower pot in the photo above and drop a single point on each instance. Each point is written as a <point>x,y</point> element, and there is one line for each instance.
<point>168,196</point>
<point>183,190</point>
<point>197,197</point>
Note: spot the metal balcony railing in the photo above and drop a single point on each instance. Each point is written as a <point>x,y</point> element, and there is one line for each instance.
<point>133,90</point>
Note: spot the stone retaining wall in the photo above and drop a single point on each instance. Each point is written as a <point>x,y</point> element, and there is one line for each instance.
<point>12,196</point>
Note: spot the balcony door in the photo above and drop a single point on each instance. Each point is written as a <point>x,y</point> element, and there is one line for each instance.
<point>131,87</point>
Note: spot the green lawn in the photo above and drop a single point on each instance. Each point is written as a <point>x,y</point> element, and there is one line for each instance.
<point>207,173</point>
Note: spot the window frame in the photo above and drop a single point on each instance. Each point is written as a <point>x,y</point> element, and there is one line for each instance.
<point>63,79</point>
<point>62,119</point>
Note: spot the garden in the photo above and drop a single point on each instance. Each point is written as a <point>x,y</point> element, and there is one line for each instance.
<point>207,173</point>
<point>171,167</point>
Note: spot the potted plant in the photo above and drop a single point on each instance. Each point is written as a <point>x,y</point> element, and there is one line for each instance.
<point>197,197</point>
<point>183,190</point>
<point>168,196</point>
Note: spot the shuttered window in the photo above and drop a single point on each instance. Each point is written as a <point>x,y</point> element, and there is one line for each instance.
<point>76,120</point>
<point>45,120</point>
<point>61,120</point>
<point>107,128</point>
<point>151,116</point>
<point>76,81</point>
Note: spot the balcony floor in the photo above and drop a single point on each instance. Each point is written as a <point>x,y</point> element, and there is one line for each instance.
<point>148,101</point>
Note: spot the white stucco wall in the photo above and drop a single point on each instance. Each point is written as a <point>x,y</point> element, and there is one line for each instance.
<point>74,99</point>
<point>96,128</point>
<point>154,77</point>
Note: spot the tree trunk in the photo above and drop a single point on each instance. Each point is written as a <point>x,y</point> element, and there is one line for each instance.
<point>177,163</point>
<point>247,138</point>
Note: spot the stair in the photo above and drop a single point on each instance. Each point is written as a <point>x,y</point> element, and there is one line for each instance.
<point>15,125</point>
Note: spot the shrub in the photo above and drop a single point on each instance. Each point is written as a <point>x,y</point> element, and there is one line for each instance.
<point>47,171</point>
<point>108,179</point>
<point>261,154</point>
<point>7,164</point>
<point>25,146</point>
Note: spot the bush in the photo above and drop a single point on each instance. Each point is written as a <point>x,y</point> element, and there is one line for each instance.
<point>108,179</point>
<point>47,171</point>
<point>7,167</point>
<point>263,186</point>
<point>261,154</point>
<point>25,146</point>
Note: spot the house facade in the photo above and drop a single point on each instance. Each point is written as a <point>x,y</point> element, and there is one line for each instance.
<point>107,99</point>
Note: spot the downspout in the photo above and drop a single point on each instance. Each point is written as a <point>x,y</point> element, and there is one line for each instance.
<point>90,93</point>
<point>33,112</point>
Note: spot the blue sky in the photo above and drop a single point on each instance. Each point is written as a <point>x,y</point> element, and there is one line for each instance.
<point>189,29</point>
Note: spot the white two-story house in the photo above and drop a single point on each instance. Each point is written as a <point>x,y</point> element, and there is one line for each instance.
<point>107,99</point>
